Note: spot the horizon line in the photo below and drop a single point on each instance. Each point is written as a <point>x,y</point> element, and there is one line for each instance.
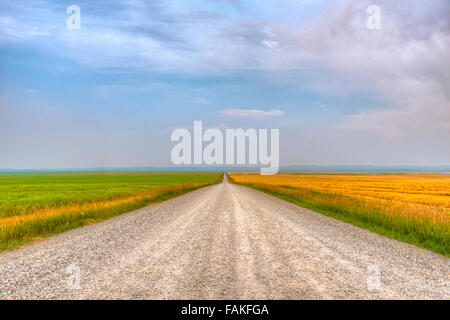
<point>235,167</point>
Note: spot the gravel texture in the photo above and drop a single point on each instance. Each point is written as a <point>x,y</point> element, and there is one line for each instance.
<point>222,242</point>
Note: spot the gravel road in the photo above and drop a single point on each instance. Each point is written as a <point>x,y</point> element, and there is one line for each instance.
<point>222,242</point>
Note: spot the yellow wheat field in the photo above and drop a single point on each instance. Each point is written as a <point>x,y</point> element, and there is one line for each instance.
<point>421,195</point>
<point>429,189</point>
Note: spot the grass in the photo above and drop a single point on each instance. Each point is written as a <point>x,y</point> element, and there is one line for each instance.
<point>34,206</point>
<point>409,208</point>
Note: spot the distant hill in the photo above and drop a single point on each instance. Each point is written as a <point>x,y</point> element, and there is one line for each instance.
<point>344,168</point>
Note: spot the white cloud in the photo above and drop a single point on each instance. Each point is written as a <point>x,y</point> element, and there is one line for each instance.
<point>404,66</point>
<point>269,44</point>
<point>321,106</point>
<point>251,113</point>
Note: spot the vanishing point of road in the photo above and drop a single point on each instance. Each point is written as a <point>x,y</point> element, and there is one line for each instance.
<point>222,242</point>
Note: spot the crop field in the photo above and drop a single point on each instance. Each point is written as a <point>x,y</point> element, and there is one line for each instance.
<point>36,205</point>
<point>414,208</point>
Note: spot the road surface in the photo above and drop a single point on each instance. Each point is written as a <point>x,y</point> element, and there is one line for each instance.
<point>222,242</point>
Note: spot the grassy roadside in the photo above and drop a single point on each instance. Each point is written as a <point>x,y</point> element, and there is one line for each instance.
<point>373,216</point>
<point>19,230</point>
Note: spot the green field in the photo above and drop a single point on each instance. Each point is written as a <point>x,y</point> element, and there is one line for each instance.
<point>35,205</point>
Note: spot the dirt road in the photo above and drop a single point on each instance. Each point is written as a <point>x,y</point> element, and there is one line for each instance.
<point>222,242</point>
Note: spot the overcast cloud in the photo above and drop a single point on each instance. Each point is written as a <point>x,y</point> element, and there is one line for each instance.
<point>327,50</point>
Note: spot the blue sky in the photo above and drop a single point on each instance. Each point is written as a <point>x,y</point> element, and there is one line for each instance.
<point>110,93</point>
